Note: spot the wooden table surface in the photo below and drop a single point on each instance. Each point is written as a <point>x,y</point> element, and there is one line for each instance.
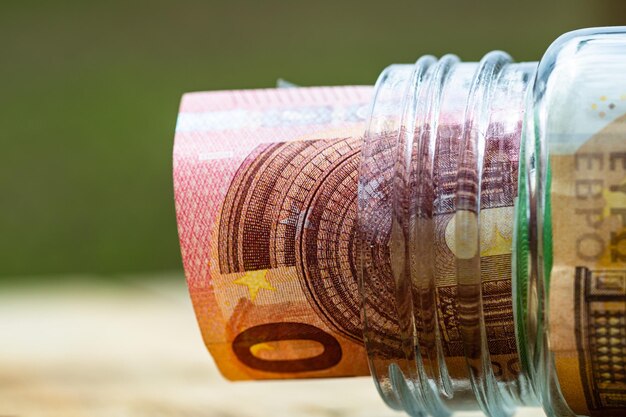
<point>75,349</point>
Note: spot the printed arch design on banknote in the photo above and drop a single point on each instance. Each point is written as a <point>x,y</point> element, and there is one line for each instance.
<point>294,204</point>
<point>600,304</point>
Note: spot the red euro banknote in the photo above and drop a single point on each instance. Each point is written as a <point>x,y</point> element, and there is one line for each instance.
<point>266,198</point>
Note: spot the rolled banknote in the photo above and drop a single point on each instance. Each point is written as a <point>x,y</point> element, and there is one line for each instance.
<point>266,196</point>
<point>265,183</point>
<point>587,286</point>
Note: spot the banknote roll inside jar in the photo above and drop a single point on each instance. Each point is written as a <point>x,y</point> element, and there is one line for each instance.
<point>492,231</point>
<point>457,231</point>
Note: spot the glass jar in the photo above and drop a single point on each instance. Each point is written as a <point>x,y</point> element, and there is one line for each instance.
<point>492,227</point>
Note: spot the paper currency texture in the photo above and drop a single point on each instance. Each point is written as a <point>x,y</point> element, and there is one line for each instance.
<point>266,195</point>
<point>265,184</point>
<point>266,198</point>
<point>588,279</point>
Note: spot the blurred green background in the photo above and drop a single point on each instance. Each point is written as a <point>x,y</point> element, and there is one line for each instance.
<point>89,93</point>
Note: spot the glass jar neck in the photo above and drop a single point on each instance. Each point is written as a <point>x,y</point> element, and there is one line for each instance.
<point>437,227</point>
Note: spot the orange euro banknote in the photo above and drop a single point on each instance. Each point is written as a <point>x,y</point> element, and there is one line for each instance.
<point>265,187</point>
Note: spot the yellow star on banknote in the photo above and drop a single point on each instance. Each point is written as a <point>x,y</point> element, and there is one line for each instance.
<point>255,280</point>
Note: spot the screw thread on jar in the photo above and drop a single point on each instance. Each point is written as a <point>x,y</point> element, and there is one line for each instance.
<point>437,186</point>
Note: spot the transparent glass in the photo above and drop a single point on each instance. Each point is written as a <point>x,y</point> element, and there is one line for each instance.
<point>492,204</point>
